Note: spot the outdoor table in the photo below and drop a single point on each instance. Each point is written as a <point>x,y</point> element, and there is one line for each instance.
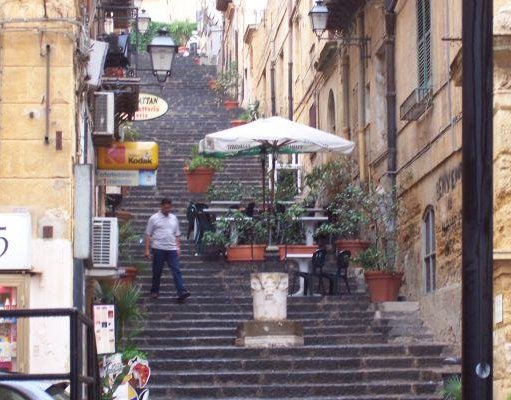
<point>310,226</point>
<point>317,211</point>
<point>217,210</point>
<point>225,202</point>
<point>303,266</point>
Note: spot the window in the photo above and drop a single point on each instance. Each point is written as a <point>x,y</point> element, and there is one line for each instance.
<point>424,42</point>
<point>429,250</point>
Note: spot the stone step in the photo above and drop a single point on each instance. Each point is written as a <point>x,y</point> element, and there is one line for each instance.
<point>304,362</point>
<point>286,390</point>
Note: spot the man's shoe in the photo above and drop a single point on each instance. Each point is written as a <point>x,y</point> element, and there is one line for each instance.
<point>154,295</point>
<point>183,296</point>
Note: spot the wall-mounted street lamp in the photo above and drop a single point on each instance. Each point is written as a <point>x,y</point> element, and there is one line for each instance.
<point>319,17</point>
<point>161,50</point>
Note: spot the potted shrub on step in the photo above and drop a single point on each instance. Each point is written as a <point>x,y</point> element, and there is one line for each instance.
<point>199,171</point>
<point>382,278</point>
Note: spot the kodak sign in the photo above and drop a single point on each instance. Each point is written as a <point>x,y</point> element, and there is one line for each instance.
<point>129,156</point>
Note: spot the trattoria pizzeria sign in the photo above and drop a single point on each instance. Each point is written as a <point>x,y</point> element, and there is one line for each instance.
<point>150,107</point>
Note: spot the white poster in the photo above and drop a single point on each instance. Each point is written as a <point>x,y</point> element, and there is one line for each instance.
<point>15,241</point>
<point>104,328</point>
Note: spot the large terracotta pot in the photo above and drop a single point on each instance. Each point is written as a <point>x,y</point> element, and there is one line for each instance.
<point>230,104</point>
<point>295,249</point>
<point>199,179</point>
<point>383,285</point>
<point>246,252</point>
<point>129,275</point>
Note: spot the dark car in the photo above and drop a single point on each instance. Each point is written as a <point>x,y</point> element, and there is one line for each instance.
<point>33,390</point>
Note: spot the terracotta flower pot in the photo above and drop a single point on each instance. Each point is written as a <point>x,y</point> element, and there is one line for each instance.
<point>238,122</point>
<point>354,246</point>
<point>199,179</point>
<point>246,252</point>
<point>230,104</point>
<point>383,285</point>
<point>129,275</point>
<point>295,249</point>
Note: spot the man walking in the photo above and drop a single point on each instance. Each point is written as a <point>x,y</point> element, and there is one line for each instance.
<point>162,238</point>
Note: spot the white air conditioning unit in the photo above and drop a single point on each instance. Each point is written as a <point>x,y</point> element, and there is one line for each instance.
<point>105,238</point>
<point>104,114</point>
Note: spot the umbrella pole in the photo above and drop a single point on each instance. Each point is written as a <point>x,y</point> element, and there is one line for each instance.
<point>263,167</point>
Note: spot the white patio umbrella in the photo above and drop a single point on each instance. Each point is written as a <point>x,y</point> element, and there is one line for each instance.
<point>274,135</point>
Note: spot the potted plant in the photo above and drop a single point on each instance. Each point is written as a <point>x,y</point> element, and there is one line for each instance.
<point>290,233</point>
<point>348,212</point>
<point>199,171</point>
<point>227,85</point>
<point>248,236</point>
<point>127,238</point>
<point>378,261</point>
<point>213,244</point>
<point>248,115</point>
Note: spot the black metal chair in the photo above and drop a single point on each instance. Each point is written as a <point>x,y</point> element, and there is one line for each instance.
<point>342,264</point>
<point>204,225</point>
<point>249,209</point>
<point>318,261</point>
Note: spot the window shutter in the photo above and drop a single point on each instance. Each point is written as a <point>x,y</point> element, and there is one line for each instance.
<point>424,42</point>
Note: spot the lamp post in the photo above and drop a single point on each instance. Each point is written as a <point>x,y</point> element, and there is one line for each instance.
<point>161,50</point>
<point>143,21</point>
<point>319,17</point>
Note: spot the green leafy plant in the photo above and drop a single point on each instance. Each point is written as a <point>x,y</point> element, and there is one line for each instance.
<point>286,185</point>
<point>127,238</point>
<point>233,190</point>
<point>325,181</point>
<point>289,229</point>
<point>227,81</point>
<point>215,240</point>
<point>180,31</point>
<point>125,297</point>
<point>248,230</point>
<point>196,161</point>
<point>129,133</point>
<point>452,389</point>
<point>382,211</point>
<point>348,211</point>
<point>251,113</point>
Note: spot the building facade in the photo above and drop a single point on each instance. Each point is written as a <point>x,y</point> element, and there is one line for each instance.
<point>384,78</point>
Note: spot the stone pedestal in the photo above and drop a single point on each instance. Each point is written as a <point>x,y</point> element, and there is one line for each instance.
<point>270,328</point>
<point>269,334</point>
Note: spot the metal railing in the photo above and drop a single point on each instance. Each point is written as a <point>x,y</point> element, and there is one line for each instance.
<point>76,377</point>
<point>416,104</point>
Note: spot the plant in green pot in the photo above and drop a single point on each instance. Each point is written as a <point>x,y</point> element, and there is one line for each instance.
<point>199,171</point>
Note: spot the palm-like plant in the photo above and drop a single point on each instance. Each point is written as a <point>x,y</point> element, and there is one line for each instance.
<point>452,389</point>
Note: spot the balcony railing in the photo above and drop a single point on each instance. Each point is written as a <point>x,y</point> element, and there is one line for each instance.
<point>416,104</point>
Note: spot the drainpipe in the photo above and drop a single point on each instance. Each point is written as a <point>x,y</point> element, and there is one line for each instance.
<point>272,89</point>
<point>290,64</point>
<point>345,74</point>
<point>390,68</point>
<point>47,99</point>
<point>361,100</point>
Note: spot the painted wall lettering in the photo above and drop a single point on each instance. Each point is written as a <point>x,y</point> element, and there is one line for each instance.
<point>448,181</point>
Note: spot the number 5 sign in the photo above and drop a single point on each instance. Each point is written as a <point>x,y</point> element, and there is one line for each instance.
<point>15,235</point>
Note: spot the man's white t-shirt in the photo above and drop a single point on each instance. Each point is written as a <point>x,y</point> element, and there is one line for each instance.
<point>163,231</point>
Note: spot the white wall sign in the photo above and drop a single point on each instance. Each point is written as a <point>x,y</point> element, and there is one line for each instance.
<point>15,241</point>
<point>106,177</point>
<point>104,328</point>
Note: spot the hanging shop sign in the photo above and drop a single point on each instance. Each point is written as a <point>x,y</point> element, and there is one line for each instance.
<point>128,156</point>
<point>125,178</point>
<point>15,238</point>
<point>150,107</point>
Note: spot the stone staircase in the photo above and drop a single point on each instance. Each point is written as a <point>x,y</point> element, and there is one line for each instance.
<point>352,350</point>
